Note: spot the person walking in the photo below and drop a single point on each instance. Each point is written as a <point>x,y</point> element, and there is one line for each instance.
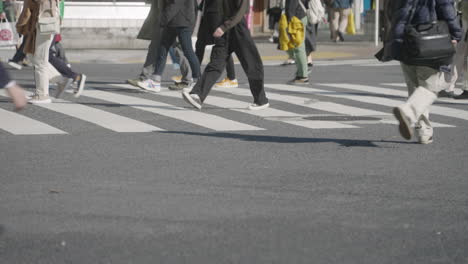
<point>231,35</point>
<point>423,82</point>
<point>339,13</point>
<point>177,21</point>
<point>461,58</point>
<point>59,61</point>
<point>37,46</point>
<point>151,31</point>
<point>13,90</point>
<point>296,8</point>
<point>209,17</point>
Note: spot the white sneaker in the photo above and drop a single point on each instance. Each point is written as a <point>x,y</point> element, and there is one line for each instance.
<point>424,135</point>
<point>80,85</point>
<point>254,107</point>
<point>63,86</point>
<point>149,85</point>
<point>15,65</point>
<point>39,99</point>
<point>193,100</point>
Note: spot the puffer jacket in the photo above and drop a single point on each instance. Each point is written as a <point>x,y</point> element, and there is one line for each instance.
<point>343,3</point>
<point>397,13</point>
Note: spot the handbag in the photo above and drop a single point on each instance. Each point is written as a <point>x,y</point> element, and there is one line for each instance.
<point>428,44</point>
<point>48,25</point>
<point>315,11</point>
<point>8,35</point>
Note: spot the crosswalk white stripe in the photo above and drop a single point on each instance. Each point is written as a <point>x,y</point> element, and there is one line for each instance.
<point>241,106</point>
<point>313,104</point>
<point>436,109</point>
<point>366,99</point>
<point>209,121</point>
<point>17,124</point>
<point>98,117</point>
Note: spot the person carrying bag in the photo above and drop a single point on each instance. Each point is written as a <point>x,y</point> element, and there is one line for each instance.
<point>39,22</point>
<point>426,80</point>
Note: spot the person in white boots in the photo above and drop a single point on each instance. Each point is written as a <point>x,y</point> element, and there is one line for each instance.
<point>423,82</point>
<point>461,58</point>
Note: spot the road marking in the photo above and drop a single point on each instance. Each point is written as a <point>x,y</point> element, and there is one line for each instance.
<point>98,117</point>
<point>436,109</point>
<point>17,124</point>
<point>241,106</point>
<point>198,118</point>
<point>313,104</point>
<point>359,98</point>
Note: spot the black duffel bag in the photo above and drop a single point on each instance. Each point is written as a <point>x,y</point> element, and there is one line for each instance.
<point>427,44</point>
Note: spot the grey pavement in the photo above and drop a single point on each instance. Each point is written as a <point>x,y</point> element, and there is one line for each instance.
<point>285,194</point>
<point>326,51</point>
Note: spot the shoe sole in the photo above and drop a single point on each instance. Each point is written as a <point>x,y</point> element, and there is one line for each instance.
<point>81,87</point>
<point>48,101</point>
<point>60,91</point>
<point>265,106</point>
<point>190,100</point>
<point>404,126</point>
<point>16,66</point>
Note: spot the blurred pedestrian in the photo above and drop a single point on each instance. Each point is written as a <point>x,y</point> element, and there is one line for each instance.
<point>461,58</point>
<point>8,10</point>
<point>339,13</point>
<point>297,9</point>
<point>177,21</point>
<point>151,31</point>
<point>60,62</point>
<point>13,89</point>
<point>208,24</point>
<point>231,36</point>
<point>423,78</point>
<point>38,41</point>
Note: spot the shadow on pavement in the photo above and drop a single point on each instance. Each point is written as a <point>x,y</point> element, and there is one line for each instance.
<point>280,139</point>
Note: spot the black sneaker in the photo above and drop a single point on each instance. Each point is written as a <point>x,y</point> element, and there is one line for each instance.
<point>463,95</point>
<point>445,94</point>
<point>299,80</point>
<point>179,86</point>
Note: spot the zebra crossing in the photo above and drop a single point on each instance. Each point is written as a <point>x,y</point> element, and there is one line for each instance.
<point>311,105</point>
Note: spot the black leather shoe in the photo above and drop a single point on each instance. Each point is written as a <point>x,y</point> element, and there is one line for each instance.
<point>463,95</point>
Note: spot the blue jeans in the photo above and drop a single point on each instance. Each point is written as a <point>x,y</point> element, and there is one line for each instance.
<point>185,38</point>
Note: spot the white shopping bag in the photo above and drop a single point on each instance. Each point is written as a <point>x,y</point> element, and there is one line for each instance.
<point>8,34</point>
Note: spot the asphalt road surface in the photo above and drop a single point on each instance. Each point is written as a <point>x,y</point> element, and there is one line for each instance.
<point>122,175</point>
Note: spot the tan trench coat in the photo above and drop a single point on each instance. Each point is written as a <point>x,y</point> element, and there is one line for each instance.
<point>27,21</point>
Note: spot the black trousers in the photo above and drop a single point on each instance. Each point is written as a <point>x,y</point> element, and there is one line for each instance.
<point>237,40</point>
<point>200,52</point>
<point>4,76</point>
<point>62,67</point>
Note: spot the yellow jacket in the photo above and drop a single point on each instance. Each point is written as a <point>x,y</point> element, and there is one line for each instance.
<point>291,35</point>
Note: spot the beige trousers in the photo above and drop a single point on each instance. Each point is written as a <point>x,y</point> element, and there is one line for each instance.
<point>44,72</point>
<point>423,83</point>
<point>339,20</point>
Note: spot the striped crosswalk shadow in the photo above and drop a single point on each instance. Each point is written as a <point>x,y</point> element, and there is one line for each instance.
<point>375,100</point>
<point>17,124</point>
<point>96,116</point>
<point>241,106</point>
<point>198,118</point>
<point>435,109</point>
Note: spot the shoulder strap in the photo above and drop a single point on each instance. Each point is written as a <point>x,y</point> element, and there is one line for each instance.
<point>412,12</point>
<point>302,5</point>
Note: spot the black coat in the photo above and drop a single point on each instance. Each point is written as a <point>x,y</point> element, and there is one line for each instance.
<point>179,13</point>
<point>211,20</point>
